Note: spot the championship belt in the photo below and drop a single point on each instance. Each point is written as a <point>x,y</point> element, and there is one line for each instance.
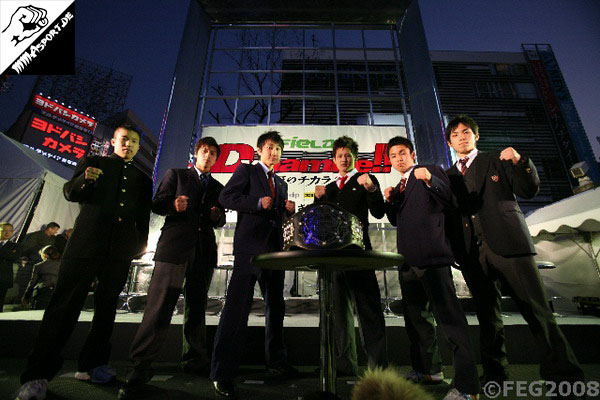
<point>322,226</point>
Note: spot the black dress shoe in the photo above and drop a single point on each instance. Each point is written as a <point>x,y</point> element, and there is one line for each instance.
<point>224,389</point>
<point>283,370</point>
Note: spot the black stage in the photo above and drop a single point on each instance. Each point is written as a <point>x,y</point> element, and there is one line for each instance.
<point>17,331</point>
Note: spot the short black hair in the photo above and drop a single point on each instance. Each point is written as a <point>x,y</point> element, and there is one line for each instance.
<point>461,119</point>
<point>209,142</point>
<point>399,141</point>
<point>269,135</point>
<point>52,225</point>
<point>128,127</point>
<point>51,251</point>
<point>346,142</point>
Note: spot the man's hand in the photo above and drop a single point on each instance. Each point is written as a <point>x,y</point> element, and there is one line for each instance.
<point>290,206</point>
<point>91,173</point>
<point>181,203</point>
<point>215,213</point>
<point>25,22</point>
<point>422,174</point>
<point>510,154</point>
<point>24,302</point>
<point>266,203</point>
<point>366,182</point>
<point>319,191</point>
<point>388,194</point>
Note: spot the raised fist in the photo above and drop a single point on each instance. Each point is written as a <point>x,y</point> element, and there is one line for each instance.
<point>388,194</point>
<point>25,22</point>
<point>266,203</point>
<point>319,191</point>
<point>366,181</point>
<point>510,154</point>
<point>181,203</point>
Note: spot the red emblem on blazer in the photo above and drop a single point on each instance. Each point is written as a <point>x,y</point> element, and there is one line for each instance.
<point>495,178</point>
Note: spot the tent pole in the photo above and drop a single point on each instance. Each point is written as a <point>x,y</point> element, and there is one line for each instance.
<point>32,208</point>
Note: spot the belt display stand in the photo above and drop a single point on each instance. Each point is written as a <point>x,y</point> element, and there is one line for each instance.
<point>325,262</point>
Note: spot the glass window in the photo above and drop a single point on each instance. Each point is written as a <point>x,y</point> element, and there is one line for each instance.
<point>223,84</point>
<point>253,60</point>
<point>378,38</point>
<point>255,84</point>
<point>318,37</point>
<point>526,90</point>
<point>354,111</point>
<point>348,38</point>
<point>218,112</point>
<point>289,37</point>
<point>252,111</point>
<point>384,84</point>
<point>288,72</point>
<point>230,38</point>
<point>320,112</point>
<point>226,60</point>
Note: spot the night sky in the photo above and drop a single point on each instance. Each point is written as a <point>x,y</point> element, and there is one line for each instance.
<point>141,38</point>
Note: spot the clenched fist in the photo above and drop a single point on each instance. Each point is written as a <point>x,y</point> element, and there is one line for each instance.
<point>510,154</point>
<point>91,173</point>
<point>319,191</point>
<point>290,206</point>
<point>422,174</point>
<point>366,182</point>
<point>266,203</point>
<point>388,194</point>
<point>215,213</point>
<point>181,203</point>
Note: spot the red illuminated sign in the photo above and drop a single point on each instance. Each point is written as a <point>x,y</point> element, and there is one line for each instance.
<point>64,113</point>
<point>56,141</point>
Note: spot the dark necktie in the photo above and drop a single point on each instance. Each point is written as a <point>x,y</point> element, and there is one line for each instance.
<point>463,165</point>
<point>271,184</point>
<point>402,186</point>
<point>343,181</point>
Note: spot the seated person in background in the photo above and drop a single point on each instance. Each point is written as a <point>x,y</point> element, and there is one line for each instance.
<point>387,384</point>
<point>43,279</point>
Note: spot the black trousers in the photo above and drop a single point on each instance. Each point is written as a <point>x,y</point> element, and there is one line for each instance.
<point>231,333</point>
<point>163,294</point>
<point>521,279</point>
<point>61,315</point>
<point>359,291</point>
<point>432,290</point>
<point>3,290</point>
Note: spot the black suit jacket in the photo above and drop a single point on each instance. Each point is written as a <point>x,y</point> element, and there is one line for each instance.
<point>115,210</point>
<point>9,254</point>
<point>355,199</point>
<point>182,230</point>
<point>419,215</point>
<point>257,231</point>
<point>494,202</point>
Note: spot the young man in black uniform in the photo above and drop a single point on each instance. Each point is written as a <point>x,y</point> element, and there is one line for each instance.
<point>111,230</point>
<point>358,194</point>
<point>186,250</point>
<point>417,206</point>
<point>260,198</point>
<point>9,254</point>
<point>493,244</point>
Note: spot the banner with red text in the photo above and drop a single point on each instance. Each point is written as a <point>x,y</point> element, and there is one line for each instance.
<point>307,159</point>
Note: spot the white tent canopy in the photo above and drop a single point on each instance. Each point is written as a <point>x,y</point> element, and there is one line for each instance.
<point>567,233</point>
<point>580,212</point>
<point>22,174</point>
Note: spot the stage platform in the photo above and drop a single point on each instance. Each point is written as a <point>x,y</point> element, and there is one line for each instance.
<point>18,330</point>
